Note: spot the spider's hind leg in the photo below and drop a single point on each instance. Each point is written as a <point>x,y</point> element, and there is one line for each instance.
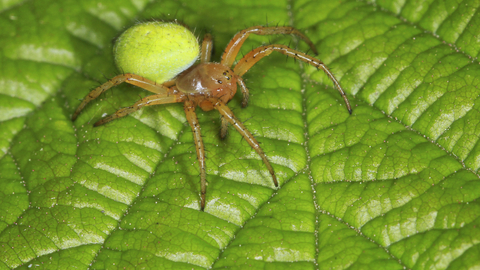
<point>128,78</point>
<point>147,101</point>
<point>207,46</point>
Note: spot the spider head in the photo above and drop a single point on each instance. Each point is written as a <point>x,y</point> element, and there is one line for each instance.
<point>208,80</point>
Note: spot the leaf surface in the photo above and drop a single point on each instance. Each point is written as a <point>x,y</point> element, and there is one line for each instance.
<point>392,186</point>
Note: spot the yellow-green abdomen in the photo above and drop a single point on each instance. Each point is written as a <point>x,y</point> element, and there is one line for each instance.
<point>158,51</point>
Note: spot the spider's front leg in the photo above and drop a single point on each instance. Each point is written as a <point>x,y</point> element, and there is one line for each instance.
<point>237,41</point>
<point>192,119</point>
<point>246,96</point>
<point>128,78</point>
<point>228,115</point>
<point>257,54</point>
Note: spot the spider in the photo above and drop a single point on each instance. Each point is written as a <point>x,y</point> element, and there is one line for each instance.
<point>211,85</point>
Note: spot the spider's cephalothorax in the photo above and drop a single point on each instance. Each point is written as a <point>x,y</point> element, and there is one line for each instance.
<point>207,80</point>
<point>207,85</point>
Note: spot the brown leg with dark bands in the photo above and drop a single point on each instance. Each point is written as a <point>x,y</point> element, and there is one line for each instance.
<point>192,119</point>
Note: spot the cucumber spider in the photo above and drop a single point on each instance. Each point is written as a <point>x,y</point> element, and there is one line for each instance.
<point>208,85</point>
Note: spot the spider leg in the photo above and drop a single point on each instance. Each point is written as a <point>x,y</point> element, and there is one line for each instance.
<point>237,41</point>
<point>255,55</point>
<point>128,78</point>
<point>230,117</point>
<point>245,92</point>
<point>146,101</point>
<point>170,83</point>
<point>192,119</point>
<point>207,46</point>
<point>223,128</point>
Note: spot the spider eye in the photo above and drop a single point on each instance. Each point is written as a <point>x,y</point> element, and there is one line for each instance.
<point>219,81</point>
<point>225,73</point>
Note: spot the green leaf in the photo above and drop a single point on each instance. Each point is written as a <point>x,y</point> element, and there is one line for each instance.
<point>392,186</point>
